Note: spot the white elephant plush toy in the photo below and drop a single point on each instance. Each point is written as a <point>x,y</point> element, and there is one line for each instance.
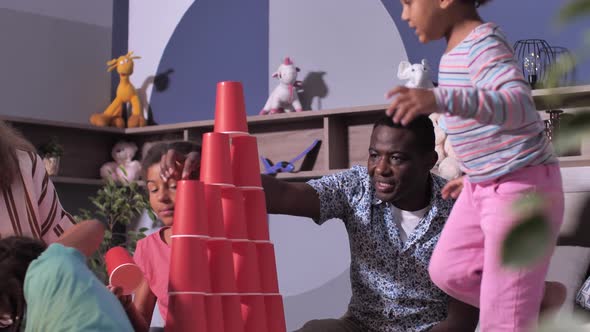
<point>284,97</point>
<point>418,76</point>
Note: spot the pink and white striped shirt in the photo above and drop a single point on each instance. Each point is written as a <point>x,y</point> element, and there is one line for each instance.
<point>490,117</point>
<point>30,206</point>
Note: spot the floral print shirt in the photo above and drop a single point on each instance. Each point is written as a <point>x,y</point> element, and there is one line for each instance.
<point>391,288</point>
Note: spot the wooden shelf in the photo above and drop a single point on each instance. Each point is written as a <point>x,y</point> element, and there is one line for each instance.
<point>344,134</point>
<point>564,97</point>
<point>71,180</point>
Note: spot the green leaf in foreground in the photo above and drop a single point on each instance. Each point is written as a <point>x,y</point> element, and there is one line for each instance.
<point>574,9</point>
<point>530,239</point>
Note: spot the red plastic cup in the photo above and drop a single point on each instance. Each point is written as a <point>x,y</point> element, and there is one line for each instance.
<point>232,313</point>
<point>221,266</point>
<point>275,313</point>
<point>245,162</point>
<point>268,268</point>
<point>214,310</point>
<point>254,313</point>
<point>230,109</point>
<point>122,270</point>
<point>215,160</point>
<point>186,312</point>
<point>189,268</point>
<point>246,270</point>
<point>256,216</point>
<point>190,216</point>
<point>214,210</point>
<point>234,215</point>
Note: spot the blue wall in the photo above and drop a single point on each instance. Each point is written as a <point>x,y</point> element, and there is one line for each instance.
<point>216,40</point>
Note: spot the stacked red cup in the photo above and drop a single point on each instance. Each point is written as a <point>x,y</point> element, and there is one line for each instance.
<point>189,280</point>
<point>240,293</point>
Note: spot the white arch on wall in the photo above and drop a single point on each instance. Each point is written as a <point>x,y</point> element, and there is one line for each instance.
<point>151,25</point>
<point>355,42</point>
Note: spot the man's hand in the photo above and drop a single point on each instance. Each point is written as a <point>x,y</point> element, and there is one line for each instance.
<point>453,188</point>
<point>410,103</point>
<point>178,166</point>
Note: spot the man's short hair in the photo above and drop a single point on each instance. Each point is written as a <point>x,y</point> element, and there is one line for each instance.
<point>421,126</point>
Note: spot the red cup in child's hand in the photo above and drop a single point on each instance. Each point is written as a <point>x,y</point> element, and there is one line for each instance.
<point>245,162</point>
<point>216,160</point>
<point>230,109</point>
<point>122,270</point>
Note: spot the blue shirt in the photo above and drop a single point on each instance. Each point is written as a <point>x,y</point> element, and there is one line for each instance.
<point>391,287</point>
<point>62,294</point>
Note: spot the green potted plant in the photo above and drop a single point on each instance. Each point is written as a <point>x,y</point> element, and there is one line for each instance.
<point>51,153</point>
<point>117,205</point>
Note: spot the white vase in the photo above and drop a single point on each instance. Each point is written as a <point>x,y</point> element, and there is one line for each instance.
<point>51,165</point>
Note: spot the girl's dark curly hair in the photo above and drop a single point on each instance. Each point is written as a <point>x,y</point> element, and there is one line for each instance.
<point>479,2</point>
<point>16,253</point>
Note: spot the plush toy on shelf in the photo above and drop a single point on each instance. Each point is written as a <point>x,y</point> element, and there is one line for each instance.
<point>418,76</point>
<point>284,97</point>
<point>124,169</point>
<point>113,115</point>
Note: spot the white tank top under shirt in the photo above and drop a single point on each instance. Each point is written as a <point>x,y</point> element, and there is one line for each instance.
<point>407,220</point>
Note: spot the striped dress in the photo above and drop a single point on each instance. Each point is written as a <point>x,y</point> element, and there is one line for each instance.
<point>30,207</point>
<point>490,117</point>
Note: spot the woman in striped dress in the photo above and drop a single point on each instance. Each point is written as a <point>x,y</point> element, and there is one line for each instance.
<point>29,205</point>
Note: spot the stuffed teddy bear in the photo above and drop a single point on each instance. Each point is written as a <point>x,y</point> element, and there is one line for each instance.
<point>123,153</point>
<point>418,76</point>
<point>284,97</point>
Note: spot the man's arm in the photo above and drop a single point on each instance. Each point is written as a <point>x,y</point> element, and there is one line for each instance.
<point>292,198</point>
<point>461,318</point>
<point>297,199</point>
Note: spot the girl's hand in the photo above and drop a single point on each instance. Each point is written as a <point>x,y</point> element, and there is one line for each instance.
<point>453,188</point>
<point>125,300</point>
<point>410,103</point>
<point>180,167</point>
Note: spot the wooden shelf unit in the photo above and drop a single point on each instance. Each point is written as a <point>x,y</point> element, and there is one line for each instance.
<point>344,135</point>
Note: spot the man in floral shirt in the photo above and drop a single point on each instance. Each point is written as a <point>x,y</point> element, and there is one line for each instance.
<point>393,212</point>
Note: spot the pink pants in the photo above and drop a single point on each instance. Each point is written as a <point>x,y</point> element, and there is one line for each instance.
<point>466,262</point>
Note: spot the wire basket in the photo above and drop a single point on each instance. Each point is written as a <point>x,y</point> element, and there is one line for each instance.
<point>534,57</point>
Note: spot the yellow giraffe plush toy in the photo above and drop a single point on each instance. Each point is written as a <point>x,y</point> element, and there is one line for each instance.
<point>113,115</point>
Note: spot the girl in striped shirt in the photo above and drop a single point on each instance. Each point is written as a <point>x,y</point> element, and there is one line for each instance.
<point>499,138</point>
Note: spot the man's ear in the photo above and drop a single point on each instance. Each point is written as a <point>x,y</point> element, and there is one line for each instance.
<point>432,159</point>
<point>444,4</point>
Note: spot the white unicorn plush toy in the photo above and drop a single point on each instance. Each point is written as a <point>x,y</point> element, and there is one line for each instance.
<point>284,97</point>
<point>418,76</point>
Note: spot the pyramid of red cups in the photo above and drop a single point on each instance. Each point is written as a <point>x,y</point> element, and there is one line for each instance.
<point>223,274</point>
